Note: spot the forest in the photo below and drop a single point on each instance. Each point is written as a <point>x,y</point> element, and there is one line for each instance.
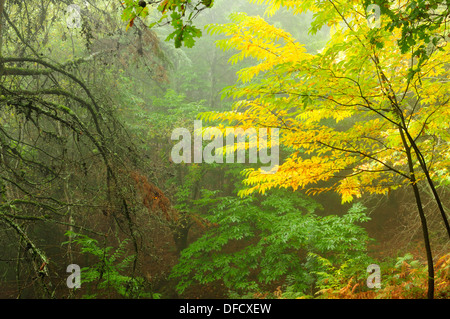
<point>213,149</point>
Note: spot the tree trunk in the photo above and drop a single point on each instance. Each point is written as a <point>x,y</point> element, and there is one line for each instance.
<point>2,6</point>
<point>426,238</point>
<point>430,182</point>
<point>423,219</point>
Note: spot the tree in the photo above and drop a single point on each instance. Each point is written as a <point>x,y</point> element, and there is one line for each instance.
<point>262,240</point>
<point>354,113</point>
<point>65,157</point>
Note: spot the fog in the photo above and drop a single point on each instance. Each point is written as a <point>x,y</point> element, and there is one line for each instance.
<point>223,150</point>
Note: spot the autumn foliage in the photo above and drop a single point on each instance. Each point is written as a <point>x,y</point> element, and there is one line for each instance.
<point>405,280</point>
<point>363,116</point>
<point>152,197</point>
<point>360,81</point>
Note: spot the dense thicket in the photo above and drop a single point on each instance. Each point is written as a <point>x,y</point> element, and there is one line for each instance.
<point>90,93</point>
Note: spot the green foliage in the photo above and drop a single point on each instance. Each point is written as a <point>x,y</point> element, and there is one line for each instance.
<point>335,277</point>
<point>257,242</point>
<point>106,275</point>
<point>418,21</point>
<point>185,191</point>
<point>178,13</point>
<point>154,117</point>
<point>407,258</point>
<point>175,109</point>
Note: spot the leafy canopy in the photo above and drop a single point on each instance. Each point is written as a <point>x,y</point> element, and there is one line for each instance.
<point>344,112</point>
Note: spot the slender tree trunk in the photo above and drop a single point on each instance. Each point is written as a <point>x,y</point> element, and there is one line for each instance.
<point>2,7</point>
<point>403,129</point>
<point>405,136</point>
<point>424,167</point>
<point>426,238</point>
<point>423,219</point>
